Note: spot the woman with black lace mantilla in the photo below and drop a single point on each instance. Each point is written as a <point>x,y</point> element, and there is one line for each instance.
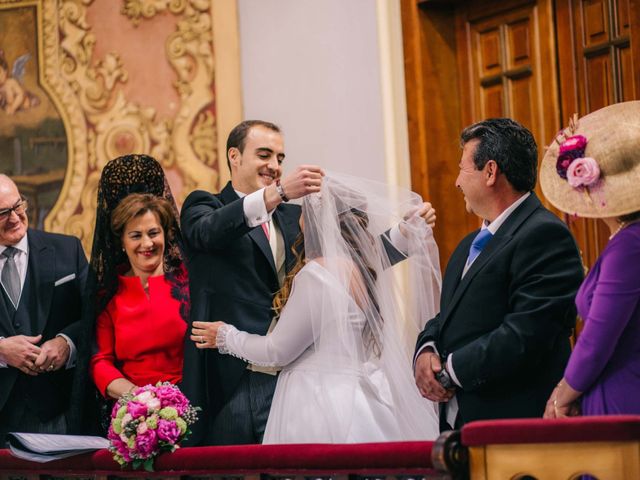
<point>140,285</point>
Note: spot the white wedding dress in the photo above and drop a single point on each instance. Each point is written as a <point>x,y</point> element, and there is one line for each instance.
<point>333,388</point>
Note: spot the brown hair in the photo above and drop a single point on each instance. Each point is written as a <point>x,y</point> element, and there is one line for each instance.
<point>137,204</point>
<point>630,217</point>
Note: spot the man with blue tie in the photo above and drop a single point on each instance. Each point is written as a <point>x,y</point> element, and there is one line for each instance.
<point>42,287</point>
<point>502,338</point>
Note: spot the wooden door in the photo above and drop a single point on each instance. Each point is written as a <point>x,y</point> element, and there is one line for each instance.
<point>537,61</point>
<point>507,58</point>
<point>598,54</point>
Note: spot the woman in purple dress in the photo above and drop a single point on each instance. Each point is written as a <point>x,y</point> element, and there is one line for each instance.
<point>593,170</point>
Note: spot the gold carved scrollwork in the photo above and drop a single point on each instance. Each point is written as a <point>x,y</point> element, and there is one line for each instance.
<point>101,122</point>
<point>135,9</point>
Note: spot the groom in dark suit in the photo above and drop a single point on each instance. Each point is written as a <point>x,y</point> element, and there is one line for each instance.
<point>42,278</point>
<point>502,338</point>
<point>238,246</point>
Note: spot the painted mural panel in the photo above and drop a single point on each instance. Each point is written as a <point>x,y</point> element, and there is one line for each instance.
<point>33,144</point>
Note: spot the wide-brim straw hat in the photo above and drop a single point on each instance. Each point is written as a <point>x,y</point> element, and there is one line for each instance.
<point>613,141</point>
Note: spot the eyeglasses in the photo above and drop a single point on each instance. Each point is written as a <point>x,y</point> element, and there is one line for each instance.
<point>19,208</point>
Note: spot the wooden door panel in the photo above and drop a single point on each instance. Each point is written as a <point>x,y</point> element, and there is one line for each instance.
<point>492,97</point>
<point>622,17</point>
<point>595,18</point>
<point>489,54</point>
<point>518,44</point>
<point>627,75</point>
<point>598,80</point>
<point>521,95</point>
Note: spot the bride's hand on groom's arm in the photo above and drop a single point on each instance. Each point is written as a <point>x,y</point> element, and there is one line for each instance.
<point>204,334</point>
<point>427,365</point>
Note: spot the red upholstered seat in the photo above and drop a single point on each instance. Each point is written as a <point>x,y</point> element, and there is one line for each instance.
<point>613,428</point>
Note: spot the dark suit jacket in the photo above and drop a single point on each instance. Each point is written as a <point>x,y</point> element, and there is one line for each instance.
<point>53,309</point>
<point>232,278</point>
<point>508,321</point>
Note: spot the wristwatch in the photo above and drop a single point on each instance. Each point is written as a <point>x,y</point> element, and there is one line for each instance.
<point>444,378</point>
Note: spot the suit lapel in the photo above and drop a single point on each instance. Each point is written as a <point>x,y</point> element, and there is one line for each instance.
<point>6,325</point>
<point>454,270</point>
<point>42,265</point>
<point>501,238</point>
<point>228,195</point>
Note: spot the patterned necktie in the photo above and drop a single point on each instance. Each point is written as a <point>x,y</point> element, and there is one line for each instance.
<point>482,238</point>
<point>10,278</point>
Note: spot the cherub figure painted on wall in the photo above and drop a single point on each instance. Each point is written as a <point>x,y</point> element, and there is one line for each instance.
<point>13,96</point>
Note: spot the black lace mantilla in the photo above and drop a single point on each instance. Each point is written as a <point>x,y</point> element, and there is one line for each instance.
<point>121,177</point>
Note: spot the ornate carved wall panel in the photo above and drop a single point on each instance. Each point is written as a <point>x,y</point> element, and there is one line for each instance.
<point>131,76</point>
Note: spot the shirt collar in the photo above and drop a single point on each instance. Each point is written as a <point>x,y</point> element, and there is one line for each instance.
<point>500,219</point>
<point>22,245</point>
<point>240,194</point>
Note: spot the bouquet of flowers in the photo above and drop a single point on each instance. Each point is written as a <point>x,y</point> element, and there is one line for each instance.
<point>148,421</point>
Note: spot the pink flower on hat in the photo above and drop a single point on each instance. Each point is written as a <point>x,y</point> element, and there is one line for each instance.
<point>583,172</point>
<point>572,148</point>
<point>576,142</point>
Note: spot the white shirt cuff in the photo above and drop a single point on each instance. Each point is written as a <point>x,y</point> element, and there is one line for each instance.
<point>255,211</point>
<point>452,373</point>
<point>2,362</point>
<point>398,240</point>
<point>71,361</point>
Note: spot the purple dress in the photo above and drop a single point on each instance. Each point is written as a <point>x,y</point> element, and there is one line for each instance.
<point>605,363</point>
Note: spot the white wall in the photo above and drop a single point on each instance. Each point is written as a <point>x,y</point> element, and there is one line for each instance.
<point>314,68</point>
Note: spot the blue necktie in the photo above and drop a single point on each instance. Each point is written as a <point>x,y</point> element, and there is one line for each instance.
<point>482,238</point>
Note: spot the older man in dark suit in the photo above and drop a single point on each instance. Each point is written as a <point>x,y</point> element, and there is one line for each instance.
<point>238,246</point>
<point>501,341</point>
<point>43,276</point>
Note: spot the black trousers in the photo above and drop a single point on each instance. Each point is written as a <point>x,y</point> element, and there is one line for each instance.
<point>243,419</point>
<point>16,416</point>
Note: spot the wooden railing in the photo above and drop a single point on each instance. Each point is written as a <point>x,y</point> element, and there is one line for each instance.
<point>606,447</point>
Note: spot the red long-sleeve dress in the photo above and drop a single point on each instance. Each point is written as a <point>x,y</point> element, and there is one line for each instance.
<point>139,338</point>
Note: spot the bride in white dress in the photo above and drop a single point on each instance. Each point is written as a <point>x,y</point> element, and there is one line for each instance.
<point>345,334</point>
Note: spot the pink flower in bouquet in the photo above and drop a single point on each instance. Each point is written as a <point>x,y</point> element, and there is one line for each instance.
<point>126,419</point>
<point>583,172</point>
<point>146,443</point>
<point>121,448</point>
<point>168,431</point>
<point>149,399</point>
<point>136,409</point>
<point>170,396</point>
<point>142,427</point>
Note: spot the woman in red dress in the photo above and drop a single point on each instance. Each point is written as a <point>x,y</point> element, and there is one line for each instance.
<point>140,333</point>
